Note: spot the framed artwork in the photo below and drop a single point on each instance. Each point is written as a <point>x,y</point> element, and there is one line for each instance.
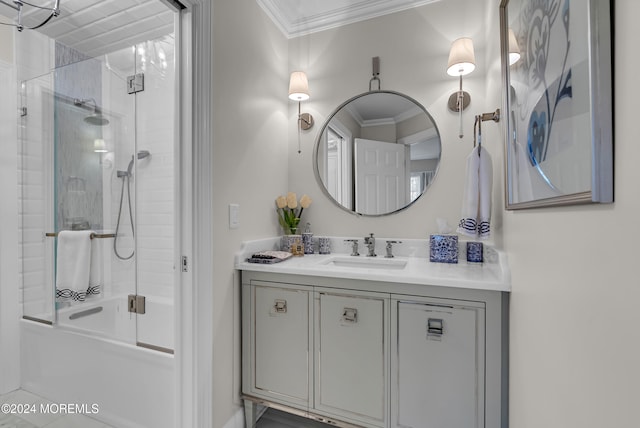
<point>556,69</point>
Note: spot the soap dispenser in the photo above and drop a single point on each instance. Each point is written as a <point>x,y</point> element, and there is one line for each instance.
<point>307,239</point>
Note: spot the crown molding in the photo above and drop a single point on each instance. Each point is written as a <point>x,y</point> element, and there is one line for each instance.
<point>323,15</point>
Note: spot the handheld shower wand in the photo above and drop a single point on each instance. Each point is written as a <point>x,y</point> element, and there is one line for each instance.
<point>140,155</point>
<point>126,175</point>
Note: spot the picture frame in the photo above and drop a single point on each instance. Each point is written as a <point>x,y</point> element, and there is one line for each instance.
<point>556,60</point>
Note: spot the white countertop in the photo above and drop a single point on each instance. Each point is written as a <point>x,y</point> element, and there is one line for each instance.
<point>491,275</point>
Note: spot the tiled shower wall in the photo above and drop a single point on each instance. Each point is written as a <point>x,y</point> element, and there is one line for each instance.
<point>78,178</point>
<point>156,107</point>
<point>153,180</point>
<point>34,60</point>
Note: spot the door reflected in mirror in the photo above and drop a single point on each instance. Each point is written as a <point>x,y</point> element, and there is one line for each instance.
<point>377,153</point>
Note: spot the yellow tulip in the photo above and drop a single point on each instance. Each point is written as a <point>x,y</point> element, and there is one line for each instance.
<point>292,200</point>
<point>305,201</point>
<point>281,202</point>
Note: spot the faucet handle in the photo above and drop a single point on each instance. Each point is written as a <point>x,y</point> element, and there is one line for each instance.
<point>354,246</point>
<point>390,248</point>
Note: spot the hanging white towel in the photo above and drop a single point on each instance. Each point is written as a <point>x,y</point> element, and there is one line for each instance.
<point>476,202</point>
<point>95,269</point>
<point>73,266</point>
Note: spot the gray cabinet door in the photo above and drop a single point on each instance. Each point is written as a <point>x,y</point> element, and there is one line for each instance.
<point>280,338</point>
<point>351,351</point>
<point>437,368</point>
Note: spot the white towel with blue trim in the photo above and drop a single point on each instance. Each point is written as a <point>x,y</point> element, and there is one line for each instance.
<point>74,259</point>
<point>476,202</point>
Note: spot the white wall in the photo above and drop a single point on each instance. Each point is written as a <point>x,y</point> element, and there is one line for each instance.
<point>249,168</point>
<point>9,339</point>
<point>575,343</point>
<point>413,47</point>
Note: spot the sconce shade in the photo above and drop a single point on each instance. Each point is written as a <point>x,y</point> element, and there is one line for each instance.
<point>462,59</point>
<point>298,86</point>
<point>514,49</point>
<point>99,146</point>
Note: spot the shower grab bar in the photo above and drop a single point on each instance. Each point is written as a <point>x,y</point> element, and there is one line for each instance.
<point>85,313</point>
<point>93,235</point>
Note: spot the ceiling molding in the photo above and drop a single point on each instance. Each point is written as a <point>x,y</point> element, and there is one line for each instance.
<point>394,120</point>
<point>294,21</point>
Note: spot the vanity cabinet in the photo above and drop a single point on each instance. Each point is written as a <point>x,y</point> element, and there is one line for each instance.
<point>364,353</point>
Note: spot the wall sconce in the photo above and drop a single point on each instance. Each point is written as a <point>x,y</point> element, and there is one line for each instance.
<point>514,49</point>
<point>99,146</point>
<point>461,61</point>
<point>299,91</point>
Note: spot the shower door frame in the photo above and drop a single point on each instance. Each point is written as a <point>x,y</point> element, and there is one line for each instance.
<point>194,295</point>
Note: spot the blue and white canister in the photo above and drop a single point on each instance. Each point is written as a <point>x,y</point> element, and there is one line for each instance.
<point>324,245</point>
<point>307,242</point>
<point>475,252</point>
<point>443,248</point>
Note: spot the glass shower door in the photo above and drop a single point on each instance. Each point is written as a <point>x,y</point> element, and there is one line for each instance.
<point>156,184</point>
<point>36,133</point>
<point>73,129</point>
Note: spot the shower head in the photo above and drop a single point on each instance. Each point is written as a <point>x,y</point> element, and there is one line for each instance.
<point>96,117</point>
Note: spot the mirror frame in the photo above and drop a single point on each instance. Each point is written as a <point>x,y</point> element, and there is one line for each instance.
<point>598,43</point>
<point>326,123</point>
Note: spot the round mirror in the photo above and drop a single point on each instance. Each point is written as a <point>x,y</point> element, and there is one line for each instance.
<point>377,153</point>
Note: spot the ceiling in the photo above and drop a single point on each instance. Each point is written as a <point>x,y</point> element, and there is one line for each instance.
<point>96,27</point>
<point>295,17</point>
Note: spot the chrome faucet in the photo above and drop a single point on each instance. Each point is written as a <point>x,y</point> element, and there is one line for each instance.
<point>370,242</point>
<point>354,246</point>
<point>390,248</point>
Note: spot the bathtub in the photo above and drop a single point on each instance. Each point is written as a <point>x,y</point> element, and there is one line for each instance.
<point>110,318</point>
<point>90,357</point>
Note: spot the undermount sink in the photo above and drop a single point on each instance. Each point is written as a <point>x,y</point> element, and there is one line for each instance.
<point>366,263</point>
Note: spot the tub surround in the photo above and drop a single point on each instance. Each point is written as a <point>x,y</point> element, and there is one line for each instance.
<point>492,275</point>
<point>66,366</point>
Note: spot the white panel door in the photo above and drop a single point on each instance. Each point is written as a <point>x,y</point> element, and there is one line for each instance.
<point>381,176</point>
<point>437,368</point>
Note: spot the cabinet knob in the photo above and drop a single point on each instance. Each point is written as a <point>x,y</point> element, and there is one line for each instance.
<point>280,306</point>
<point>350,315</point>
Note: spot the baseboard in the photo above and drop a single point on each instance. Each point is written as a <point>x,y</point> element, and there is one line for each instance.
<point>236,421</point>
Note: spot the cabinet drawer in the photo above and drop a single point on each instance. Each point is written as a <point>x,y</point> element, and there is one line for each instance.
<point>351,369</point>
<point>438,366</point>
<point>281,342</point>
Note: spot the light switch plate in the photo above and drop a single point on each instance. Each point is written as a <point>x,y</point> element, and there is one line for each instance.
<point>234,216</point>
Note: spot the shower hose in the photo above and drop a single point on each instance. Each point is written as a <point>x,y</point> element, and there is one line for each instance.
<point>125,178</point>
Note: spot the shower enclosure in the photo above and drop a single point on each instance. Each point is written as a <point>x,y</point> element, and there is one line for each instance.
<point>98,150</point>
<point>98,154</point>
